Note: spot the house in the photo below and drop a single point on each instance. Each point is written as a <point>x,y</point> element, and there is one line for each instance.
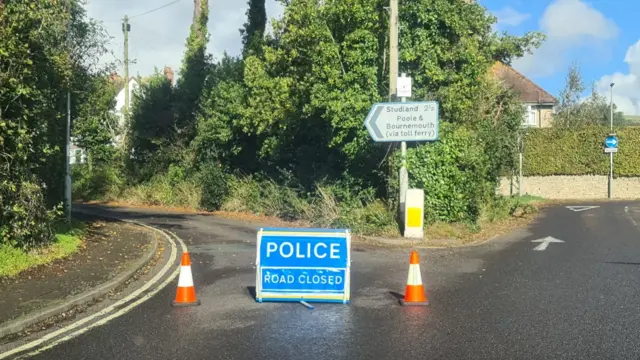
<point>78,155</point>
<point>120,102</point>
<point>538,102</point>
<point>134,83</point>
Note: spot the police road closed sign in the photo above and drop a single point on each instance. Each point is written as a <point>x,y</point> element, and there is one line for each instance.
<point>303,265</point>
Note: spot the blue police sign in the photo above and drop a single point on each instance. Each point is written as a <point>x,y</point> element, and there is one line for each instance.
<point>611,144</point>
<point>303,265</point>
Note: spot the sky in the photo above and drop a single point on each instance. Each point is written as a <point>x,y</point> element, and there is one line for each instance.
<point>158,38</point>
<point>597,35</point>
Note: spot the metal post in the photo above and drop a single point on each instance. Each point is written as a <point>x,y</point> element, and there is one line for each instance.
<point>67,178</point>
<point>610,182</point>
<point>67,175</point>
<point>125,29</point>
<point>404,174</point>
<point>520,175</point>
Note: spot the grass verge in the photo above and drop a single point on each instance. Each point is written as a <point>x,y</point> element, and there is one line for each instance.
<point>258,199</point>
<point>67,241</point>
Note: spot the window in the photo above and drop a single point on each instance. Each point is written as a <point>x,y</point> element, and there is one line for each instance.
<point>530,116</point>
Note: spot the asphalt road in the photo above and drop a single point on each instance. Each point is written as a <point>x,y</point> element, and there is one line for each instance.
<point>501,300</point>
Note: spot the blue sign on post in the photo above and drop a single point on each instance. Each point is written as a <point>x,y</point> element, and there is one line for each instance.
<point>611,144</point>
<point>303,265</point>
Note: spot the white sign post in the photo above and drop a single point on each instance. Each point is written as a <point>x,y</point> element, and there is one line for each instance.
<point>404,86</point>
<point>402,122</point>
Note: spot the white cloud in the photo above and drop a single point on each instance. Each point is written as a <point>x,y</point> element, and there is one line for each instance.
<point>510,17</point>
<point>626,91</point>
<point>569,25</point>
<point>158,38</point>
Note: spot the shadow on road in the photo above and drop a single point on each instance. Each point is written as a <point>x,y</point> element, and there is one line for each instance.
<point>252,291</point>
<point>396,295</point>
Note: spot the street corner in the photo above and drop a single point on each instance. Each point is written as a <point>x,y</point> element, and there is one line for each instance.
<point>454,236</point>
<point>111,254</point>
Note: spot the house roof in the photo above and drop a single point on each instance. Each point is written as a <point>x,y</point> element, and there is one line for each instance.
<point>529,91</point>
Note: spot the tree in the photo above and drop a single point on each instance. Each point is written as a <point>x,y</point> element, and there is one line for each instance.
<point>299,105</point>
<point>45,47</point>
<point>449,47</point>
<point>575,111</point>
<point>96,126</point>
<point>573,89</point>
<point>152,135</point>
<point>254,28</point>
<point>192,74</point>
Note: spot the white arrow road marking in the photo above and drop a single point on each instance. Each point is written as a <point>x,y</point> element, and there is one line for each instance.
<point>544,243</point>
<point>581,208</point>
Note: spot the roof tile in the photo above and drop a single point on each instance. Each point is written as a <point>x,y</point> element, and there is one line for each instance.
<point>529,91</point>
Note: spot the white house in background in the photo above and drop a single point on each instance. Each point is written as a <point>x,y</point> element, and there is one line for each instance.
<point>78,155</point>
<point>119,110</point>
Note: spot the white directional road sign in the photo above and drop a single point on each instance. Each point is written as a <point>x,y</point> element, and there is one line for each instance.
<point>403,121</point>
<point>544,243</point>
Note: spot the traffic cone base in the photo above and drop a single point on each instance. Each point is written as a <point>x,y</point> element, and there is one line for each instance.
<point>184,297</point>
<point>186,293</point>
<point>414,293</point>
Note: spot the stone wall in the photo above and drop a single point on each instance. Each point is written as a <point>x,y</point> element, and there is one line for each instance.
<point>572,187</point>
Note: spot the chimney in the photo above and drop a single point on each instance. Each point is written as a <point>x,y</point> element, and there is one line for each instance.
<point>114,77</point>
<point>168,72</point>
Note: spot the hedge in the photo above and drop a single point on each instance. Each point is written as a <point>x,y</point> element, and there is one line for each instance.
<point>579,151</point>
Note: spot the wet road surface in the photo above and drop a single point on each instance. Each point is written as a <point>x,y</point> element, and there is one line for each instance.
<point>500,300</point>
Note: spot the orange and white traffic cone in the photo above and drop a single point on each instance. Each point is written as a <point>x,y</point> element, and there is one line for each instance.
<point>414,293</point>
<point>186,294</point>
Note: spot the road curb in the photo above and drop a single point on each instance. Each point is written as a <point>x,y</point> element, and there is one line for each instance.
<point>401,243</point>
<point>20,324</point>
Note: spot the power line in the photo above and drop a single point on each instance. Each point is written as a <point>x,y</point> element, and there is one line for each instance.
<point>156,9</point>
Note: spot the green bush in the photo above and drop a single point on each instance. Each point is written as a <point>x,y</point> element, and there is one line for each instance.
<point>215,187</point>
<point>332,206</point>
<point>176,174</point>
<point>24,221</point>
<point>161,191</point>
<point>454,173</point>
<point>264,196</point>
<point>502,208</point>
<point>579,151</point>
<point>335,206</point>
<point>103,182</point>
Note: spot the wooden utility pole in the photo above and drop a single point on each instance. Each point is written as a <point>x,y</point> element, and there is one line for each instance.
<point>197,9</point>
<point>393,96</point>
<point>126,27</point>
<point>393,50</point>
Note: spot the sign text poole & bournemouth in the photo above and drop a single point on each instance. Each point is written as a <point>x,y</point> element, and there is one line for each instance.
<point>303,264</point>
<point>405,121</point>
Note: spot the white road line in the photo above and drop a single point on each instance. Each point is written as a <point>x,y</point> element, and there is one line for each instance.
<point>108,318</point>
<point>112,307</point>
<point>626,209</point>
